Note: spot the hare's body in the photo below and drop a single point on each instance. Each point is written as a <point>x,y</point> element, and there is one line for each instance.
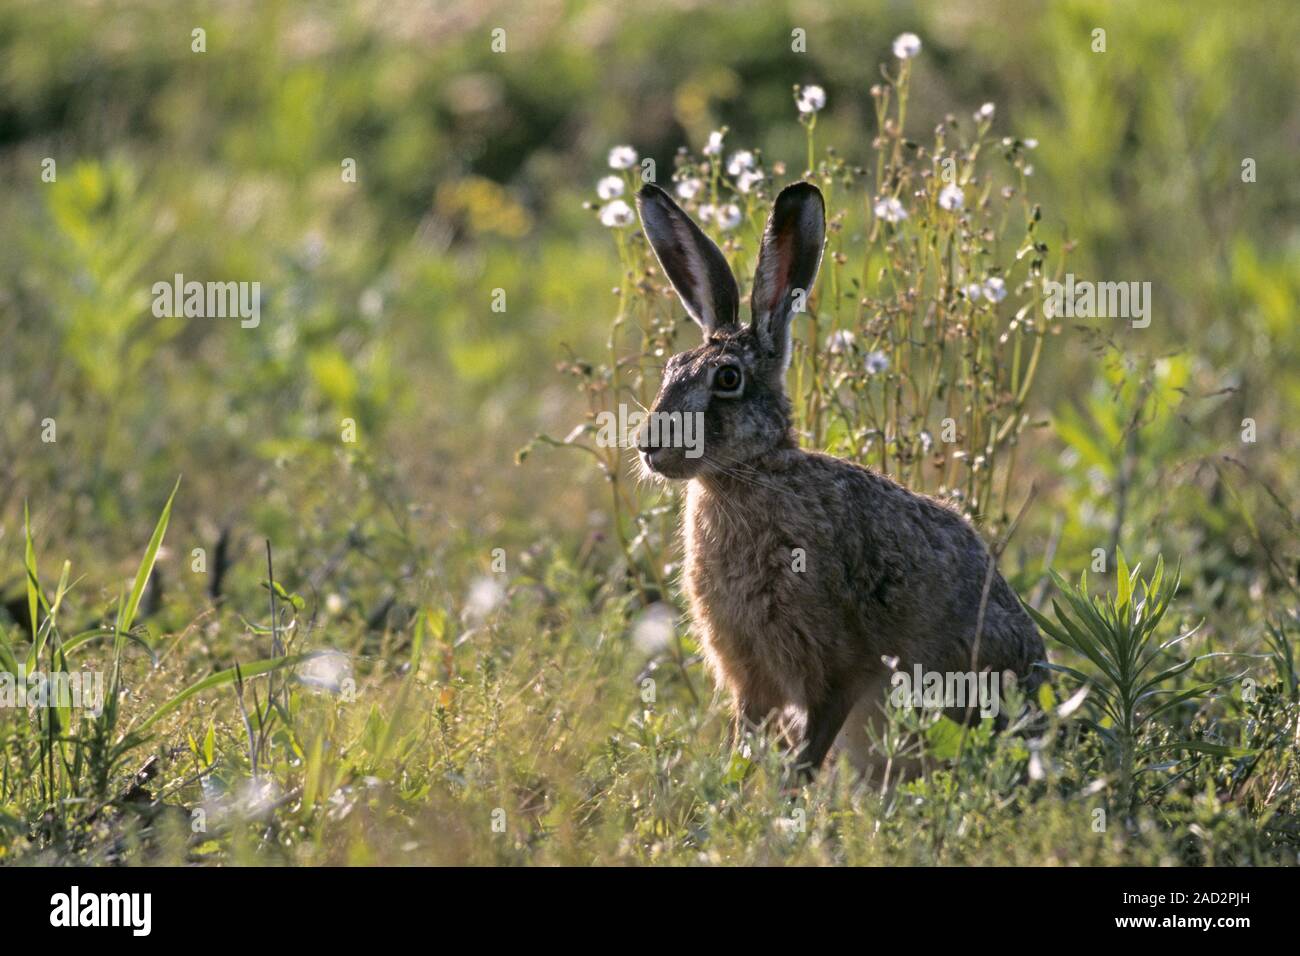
<point>806,572</point>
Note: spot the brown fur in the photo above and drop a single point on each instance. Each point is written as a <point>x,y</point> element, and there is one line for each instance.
<point>887,573</point>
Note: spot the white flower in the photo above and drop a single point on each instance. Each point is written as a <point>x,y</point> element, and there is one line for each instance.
<point>907,45</point>
<point>927,442</point>
<point>1031,143</point>
<point>616,214</point>
<point>973,291</point>
<point>890,210</point>
<point>877,362</point>
<point>609,187</point>
<point>622,157</point>
<point>951,197</point>
<point>985,112</point>
<point>326,670</point>
<point>748,179</point>
<point>652,631</point>
<point>839,342</point>
<point>739,162</point>
<point>995,290</point>
<point>689,188</point>
<point>810,99</point>
<point>485,594</point>
<point>714,146</point>
<point>727,217</point>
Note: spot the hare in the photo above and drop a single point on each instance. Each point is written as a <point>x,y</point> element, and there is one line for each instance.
<point>805,573</point>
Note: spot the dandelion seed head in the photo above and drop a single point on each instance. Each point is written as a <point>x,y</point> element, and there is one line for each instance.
<point>890,210</point>
<point>740,161</point>
<point>688,188</point>
<point>326,671</point>
<point>727,217</point>
<point>810,99</point>
<point>837,343</point>
<point>907,45</point>
<point>616,214</point>
<point>653,629</point>
<point>622,157</point>
<point>485,595</point>
<point>609,187</point>
<point>748,179</point>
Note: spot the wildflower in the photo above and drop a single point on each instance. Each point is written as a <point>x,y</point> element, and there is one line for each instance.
<point>748,179</point>
<point>985,112</point>
<point>927,442</point>
<point>809,99</point>
<point>973,291</point>
<point>714,146</point>
<point>907,45</point>
<point>890,210</point>
<point>652,631</point>
<point>951,198</point>
<point>616,214</point>
<point>877,362</point>
<point>727,217</point>
<point>995,289</point>
<point>1031,143</point>
<point>622,157</point>
<point>837,343</point>
<point>740,161</point>
<point>688,188</point>
<point>609,187</point>
<point>485,594</point>
<point>327,670</point>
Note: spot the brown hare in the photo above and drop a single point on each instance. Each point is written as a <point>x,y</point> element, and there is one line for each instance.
<point>805,572</point>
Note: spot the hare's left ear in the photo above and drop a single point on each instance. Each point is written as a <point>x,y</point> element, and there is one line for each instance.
<point>787,265</point>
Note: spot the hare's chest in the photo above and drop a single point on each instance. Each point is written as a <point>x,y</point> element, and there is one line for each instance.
<point>746,582</point>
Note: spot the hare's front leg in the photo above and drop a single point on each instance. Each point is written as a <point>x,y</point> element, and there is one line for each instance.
<point>825,718</point>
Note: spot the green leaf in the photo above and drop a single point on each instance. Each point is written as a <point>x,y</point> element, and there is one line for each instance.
<point>1123,583</point>
<point>29,561</point>
<point>99,633</point>
<point>126,615</point>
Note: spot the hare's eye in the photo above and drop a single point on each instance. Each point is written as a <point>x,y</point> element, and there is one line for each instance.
<point>727,379</point>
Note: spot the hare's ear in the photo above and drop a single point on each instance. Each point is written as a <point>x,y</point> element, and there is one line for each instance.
<point>693,263</point>
<point>787,265</point>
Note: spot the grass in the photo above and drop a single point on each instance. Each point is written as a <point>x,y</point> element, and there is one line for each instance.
<point>407,648</point>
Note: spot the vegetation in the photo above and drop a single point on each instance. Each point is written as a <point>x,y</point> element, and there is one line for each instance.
<point>363,627</point>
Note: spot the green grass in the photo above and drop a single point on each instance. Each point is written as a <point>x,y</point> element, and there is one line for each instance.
<point>409,648</point>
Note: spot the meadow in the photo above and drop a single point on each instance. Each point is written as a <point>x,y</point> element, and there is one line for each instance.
<point>364,581</point>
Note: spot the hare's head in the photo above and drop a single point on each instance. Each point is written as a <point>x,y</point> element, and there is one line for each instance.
<point>723,403</point>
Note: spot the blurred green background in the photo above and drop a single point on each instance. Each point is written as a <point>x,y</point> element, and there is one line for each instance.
<point>473,168</point>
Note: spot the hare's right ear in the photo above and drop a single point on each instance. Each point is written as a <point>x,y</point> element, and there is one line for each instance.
<point>693,263</point>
